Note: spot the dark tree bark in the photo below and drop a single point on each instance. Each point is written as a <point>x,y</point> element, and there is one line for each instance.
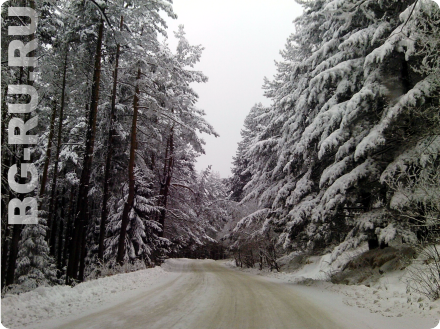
<point>48,150</point>
<point>16,235</point>
<point>5,162</point>
<point>52,204</point>
<point>130,199</point>
<point>83,253</point>
<point>108,160</point>
<point>68,234</point>
<point>60,240</point>
<point>5,249</point>
<point>82,208</point>
<point>165,185</point>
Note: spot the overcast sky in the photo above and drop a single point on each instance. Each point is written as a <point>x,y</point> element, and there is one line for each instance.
<point>242,38</point>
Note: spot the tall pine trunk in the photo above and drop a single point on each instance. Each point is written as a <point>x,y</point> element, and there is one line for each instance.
<point>68,234</point>
<point>5,249</point>
<point>52,204</point>
<point>61,232</point>
<point>5,161</point>
<point>48,150</point>
<point>108,160</point>
<point>16,235</point>
<point>130,199</point>
<point>165,185</point>
<point>82,209</point>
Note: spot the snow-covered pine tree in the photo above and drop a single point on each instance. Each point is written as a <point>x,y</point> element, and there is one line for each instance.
<point>342,103</point>
<point>142,240</point>
<point>254,124</point>
<point>414,176</point>
<point>179,120</point>
<point>35,267</point>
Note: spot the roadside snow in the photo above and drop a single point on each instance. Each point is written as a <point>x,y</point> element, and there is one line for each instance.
<point>59,301</point>
<point>383,305</point>
<point>388,297</point>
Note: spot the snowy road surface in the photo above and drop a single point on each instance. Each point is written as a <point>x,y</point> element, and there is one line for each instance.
<point>205,294</point>
<point>209,295</point>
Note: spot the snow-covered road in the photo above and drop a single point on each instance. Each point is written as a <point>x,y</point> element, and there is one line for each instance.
<point>205,294</point>
<point>208,295</point>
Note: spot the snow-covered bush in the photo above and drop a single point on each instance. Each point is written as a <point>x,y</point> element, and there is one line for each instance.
<point>424,275</point>
<point>101,269</point>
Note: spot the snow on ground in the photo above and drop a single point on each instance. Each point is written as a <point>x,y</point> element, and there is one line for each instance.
<point>59,301</point>
<point>388,296</point>
<point>383,305</point>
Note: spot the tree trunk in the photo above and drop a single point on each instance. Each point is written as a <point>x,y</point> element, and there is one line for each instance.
<point>16,235</point>
<point>68,234</point>
<point>108,160</point>
<point>5,160</point>
<point>83,253</point>
<point>48,150</point>
<point>5,248</point>
<point>52,203</point>
<point>60,239</point>
<point>130,199</point>
<point>165,186</point>
<point>82,208</point>
<point>5,164</point>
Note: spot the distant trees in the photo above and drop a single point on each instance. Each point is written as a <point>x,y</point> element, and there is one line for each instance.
<point>254,124</point>
<point>353,102</point>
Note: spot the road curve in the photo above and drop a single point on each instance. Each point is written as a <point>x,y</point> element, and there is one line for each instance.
<point>207,295</point>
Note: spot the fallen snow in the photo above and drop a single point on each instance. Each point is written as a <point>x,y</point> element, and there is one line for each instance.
<point>59,301</point>
<point>388,297</point>
<point>384,305</point>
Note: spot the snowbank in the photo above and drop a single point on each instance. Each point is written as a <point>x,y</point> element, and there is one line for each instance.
<point>59,301</point>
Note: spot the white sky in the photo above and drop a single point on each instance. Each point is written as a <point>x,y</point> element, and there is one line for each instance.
<point>242,38</point>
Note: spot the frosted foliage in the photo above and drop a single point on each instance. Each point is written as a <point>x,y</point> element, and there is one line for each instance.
<point>303,187</point>
<point>365,224</point>
<point>362,38</point>
<point>334,171</point>
<point>352,241</point>
<point>284,191</point>
<point>335,123</point>
<point>348,146</point>
<point>302,210</point>
<point>414,97</point>
<point>386,234</point>
<point>382,29</point>
<point>34,265</point>
<point>248,221</point>
<point>336,138</point>
<point>414,178</point>
<point>337,190</point>
<point>142,237</point>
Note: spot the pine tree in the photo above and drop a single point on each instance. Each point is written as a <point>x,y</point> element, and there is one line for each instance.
<point>34,263</point>
<point>343,100</point>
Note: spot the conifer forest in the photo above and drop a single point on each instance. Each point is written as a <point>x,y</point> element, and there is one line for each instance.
<point>346,155</point>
